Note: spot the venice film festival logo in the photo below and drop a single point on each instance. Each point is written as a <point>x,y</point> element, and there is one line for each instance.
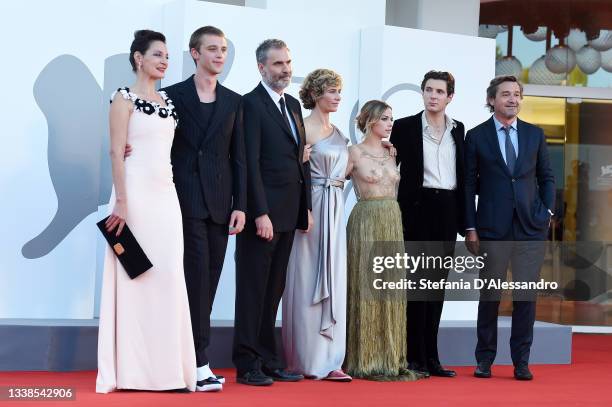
<point>78,142</point>
<point>605,179</point>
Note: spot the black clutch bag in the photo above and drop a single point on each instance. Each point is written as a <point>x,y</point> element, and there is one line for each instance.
<point>128,251</point>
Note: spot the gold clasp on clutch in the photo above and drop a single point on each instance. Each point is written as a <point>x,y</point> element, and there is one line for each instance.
<point>118,247</point>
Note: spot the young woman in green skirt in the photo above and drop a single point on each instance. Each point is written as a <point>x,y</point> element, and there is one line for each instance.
<point>376,318</point>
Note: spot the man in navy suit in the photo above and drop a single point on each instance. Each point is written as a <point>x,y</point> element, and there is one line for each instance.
<point>507,165</point>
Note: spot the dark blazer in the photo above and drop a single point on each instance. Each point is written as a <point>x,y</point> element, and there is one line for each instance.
<point>407,137</point>
<point>278,182</point>
<point>531,189</point>
<point>209,164</point>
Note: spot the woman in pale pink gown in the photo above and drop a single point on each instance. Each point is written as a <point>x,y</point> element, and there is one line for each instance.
<point>145,340</point>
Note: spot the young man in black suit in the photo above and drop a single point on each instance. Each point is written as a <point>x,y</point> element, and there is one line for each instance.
<point>279,202</point>
<point>209,166</point>
<point>430,150</point>
<point>507,165</point>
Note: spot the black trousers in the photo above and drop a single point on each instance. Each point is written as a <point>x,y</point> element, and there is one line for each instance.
<point>525,259</point>
<point>430,227</point>
<point>205,246</point>
<point>261,268</point>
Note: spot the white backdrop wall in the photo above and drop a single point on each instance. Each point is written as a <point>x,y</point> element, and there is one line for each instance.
<point>72,54</point>
<point>52,114</point>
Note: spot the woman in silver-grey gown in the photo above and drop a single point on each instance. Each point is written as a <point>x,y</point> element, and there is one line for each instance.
<point>314,302</point>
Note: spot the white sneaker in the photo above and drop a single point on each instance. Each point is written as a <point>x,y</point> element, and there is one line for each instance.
<point>204,372</point>
<point>209,384</point>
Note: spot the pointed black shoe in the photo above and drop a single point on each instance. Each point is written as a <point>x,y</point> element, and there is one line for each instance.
<point>522,372</point>
<point>281,375</point>
<point>483,370</point>
<point>254,377</point>
<point>436,369</point>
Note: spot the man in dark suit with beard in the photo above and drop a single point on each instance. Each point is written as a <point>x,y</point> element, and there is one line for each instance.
<point>507,165</point>
<point>279,202</point>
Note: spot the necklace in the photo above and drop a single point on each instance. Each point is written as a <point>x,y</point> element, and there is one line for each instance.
<point>435,133</point>
<point>380,160</point>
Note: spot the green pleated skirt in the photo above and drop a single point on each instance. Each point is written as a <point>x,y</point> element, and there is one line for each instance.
<point>376,321</point>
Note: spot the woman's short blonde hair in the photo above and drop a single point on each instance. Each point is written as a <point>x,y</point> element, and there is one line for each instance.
<point>370,113</point>
<point>315,85</point>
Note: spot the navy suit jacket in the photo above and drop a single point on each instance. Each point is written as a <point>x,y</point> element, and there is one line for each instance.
<point>530,191</point>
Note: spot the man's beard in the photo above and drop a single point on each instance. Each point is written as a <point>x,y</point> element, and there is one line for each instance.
<point>278,84</point>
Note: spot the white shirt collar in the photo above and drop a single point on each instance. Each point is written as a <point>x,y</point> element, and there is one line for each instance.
<point>450,123</point>
<point>275,96</point>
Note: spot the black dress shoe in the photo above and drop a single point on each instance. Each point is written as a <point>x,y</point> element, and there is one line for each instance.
<point>281,375</point>
<point>483,370</point>
<point>435,369</point>
<point>419,369</point>
<point>254,378</point>
<point>522,372</point>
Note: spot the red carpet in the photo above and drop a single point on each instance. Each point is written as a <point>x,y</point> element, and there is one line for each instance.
<point>586,382</point>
